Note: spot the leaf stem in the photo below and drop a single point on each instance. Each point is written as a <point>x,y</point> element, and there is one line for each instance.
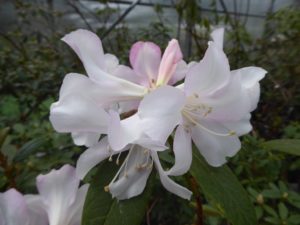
<point>199,208</point>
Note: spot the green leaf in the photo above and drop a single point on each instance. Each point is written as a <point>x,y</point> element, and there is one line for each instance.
<point>3,135</point>
<point>101,209</point>
<point>222,189</point>
<point>283,211</point>
<point>290,146</point>
<point>29,148</point>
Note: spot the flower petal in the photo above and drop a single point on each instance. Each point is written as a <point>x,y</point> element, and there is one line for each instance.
<point>250,76</point>
<point>92,156</point>
<point>213,147</point>
<point>230,103</point>
<point>75,212</point>
<point>218,36</point>
<point>77,113</point>
<point>85,138</point>
<point>58,191</point>
<point>180,72</point>
<point>122,133</point>
<point>133,177</point>
<point>210,74</point>
<point>36,208</point>
<point>170,59</point>
<point>98,66</point>
<point>240,127</point>
<point>160,112</point>
<point>13,209</point>
<point>168,183</point>
<point>182,151</point>
<point>87,46</point>
<point>145,59</point>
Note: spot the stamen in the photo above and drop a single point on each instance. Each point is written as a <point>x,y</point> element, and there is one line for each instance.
<point>196,95</point>
<point>122,166</point>
<point>118,159</point>
<point>106,188</point>
<point>191,119</point>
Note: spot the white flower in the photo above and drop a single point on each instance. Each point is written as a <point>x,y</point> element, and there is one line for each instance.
<point>132,176</point>
<point>61,196</point>
<point>18,209</point>
<point>84,101</point>
<point>215,110</point>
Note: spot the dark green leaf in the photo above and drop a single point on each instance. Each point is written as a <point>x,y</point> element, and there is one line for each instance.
<point>222,189</point>
<point>101,209</point>
<point>290,146</point>
<point>29,148</point>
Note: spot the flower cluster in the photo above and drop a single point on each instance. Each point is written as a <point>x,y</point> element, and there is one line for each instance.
<point>59,202</point>
<point>117,108</point>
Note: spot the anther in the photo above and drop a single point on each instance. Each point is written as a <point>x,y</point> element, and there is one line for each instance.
<point>106,188</point>
<point>110,158</point>
<point>196,95</point>
<point>231,133</point>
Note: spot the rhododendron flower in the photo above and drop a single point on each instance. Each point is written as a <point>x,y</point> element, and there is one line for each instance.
<point>132,176</point>
<point>84,101</point>
<point>61,198</point>
<point>215,112</point>
<point>18,209</point>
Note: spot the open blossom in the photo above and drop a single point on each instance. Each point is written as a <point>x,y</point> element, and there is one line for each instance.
<point>18,209</point>
<point>61,196</point>
<point>84,101</point>
<point>215,112</point>
<point>133,173</point>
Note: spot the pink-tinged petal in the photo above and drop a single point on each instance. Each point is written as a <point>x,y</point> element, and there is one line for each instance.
<point>182,151</point>
<point>133,177</point>
<point>13,208</point>
<point>75,212</point>
<point>92,156</point>
<point>210,74</point>
<point>87,139</point>
<point>213,147</point>
<point>168,183</point>
<point>145,59</point>
<point>36,208</point>
<point>171,57</point>
<point>160,112</point>
<point>240,127</point>
<point>218,36</point>
<point>180,72</point>
<point>58,190</point>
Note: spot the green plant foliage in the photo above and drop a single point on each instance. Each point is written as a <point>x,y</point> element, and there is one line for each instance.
<point>223,190</point>
<point>101,209</point>
<point>290,146</point>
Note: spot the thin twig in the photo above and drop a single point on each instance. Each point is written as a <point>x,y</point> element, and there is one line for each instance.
<point>73,5</point>
<point>199,209</point>
<point>150,209</point>
<point>120,19</point>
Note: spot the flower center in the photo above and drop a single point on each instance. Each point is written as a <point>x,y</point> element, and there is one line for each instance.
<point>194,111</point>
<point>140,163</point>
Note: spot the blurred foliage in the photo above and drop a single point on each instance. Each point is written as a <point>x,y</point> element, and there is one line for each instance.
<point>33,62</point>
